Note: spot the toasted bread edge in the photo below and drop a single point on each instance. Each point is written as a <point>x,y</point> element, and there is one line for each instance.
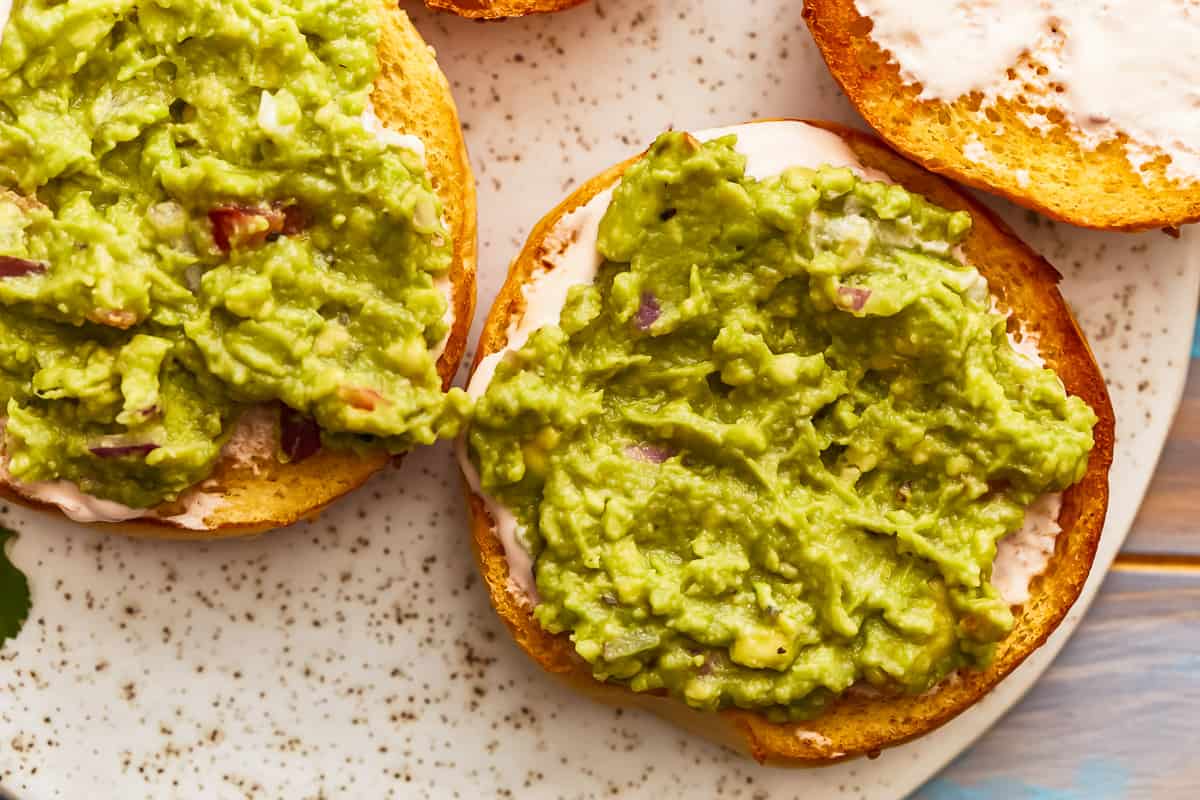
<point>501,9</point>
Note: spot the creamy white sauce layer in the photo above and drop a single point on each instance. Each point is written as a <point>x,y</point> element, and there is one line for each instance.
<point>570,249</point>
<point>73,503</point>
<point>81,507</point>
<point>1023,555</point>
<point>1027,346</point>
<point>1110,67</point>
<point>446,287</point>
<point>386,136</point>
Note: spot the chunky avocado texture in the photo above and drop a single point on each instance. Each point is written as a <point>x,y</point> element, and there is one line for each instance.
<point>768,454</point>
<point>195,217</point>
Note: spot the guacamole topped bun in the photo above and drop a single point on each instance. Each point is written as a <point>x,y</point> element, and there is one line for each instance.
<point>783,438</point>
<point>237,258</point>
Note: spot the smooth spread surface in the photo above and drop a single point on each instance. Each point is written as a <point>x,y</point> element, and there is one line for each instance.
<point>782,414</point>
<point>176,243</point>
<point>1118,68</point>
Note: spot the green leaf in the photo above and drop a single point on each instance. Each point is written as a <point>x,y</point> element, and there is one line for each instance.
<point>14,592</point>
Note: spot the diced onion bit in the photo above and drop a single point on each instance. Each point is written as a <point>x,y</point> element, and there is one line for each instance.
<point>713,661</point>
<point>299,436</point>
<point>425,216</point>
<point>167,216</point>
<point>647,313</point>
<point>294,220</point>
<point>13,267</point>
<point>240,226</point>
<point>121,450</point>
<point>652,453</point>
<point>853,297</point>
<point>361,397</point>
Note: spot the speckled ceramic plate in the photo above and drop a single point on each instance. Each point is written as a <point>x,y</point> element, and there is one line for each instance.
<point>357,656</point>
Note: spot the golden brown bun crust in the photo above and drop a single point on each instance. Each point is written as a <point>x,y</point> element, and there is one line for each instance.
<point>499,9</point>
<point>1021,281</point>
<point>411,95</point>
<point>1093,188</point>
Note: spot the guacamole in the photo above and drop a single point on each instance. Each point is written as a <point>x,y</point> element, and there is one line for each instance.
<point>769,452</point>
<point>195,217</point>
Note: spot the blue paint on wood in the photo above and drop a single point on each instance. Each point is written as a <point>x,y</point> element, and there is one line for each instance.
<point>1196,341</point>
<point>1095,779</point>
<point>1188,664</point>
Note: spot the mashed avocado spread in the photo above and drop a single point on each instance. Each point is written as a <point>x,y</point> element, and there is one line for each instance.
<point>194,217</point>
<point>769,452</point>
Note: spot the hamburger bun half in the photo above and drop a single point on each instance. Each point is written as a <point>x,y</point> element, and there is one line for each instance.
<point>251,491</point>
<point>860,722</point>
<point>1037,161</point>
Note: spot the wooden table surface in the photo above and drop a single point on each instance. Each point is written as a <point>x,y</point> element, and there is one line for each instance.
<point>1118,714</point>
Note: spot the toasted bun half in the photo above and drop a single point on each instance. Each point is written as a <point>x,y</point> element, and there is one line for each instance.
<point>411,95</point>
<point>499,9</point>
<point>1048,170</point>
<point>860,723</point>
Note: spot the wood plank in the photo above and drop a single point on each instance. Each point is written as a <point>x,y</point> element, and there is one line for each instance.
<point>1169,521</point>
<point>1116,715</point>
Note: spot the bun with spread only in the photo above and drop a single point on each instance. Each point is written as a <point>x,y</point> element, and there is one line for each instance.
<point>500,9</point>
<point>785,439</point>
<point>251,289</point>
<point>1077,110</point>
